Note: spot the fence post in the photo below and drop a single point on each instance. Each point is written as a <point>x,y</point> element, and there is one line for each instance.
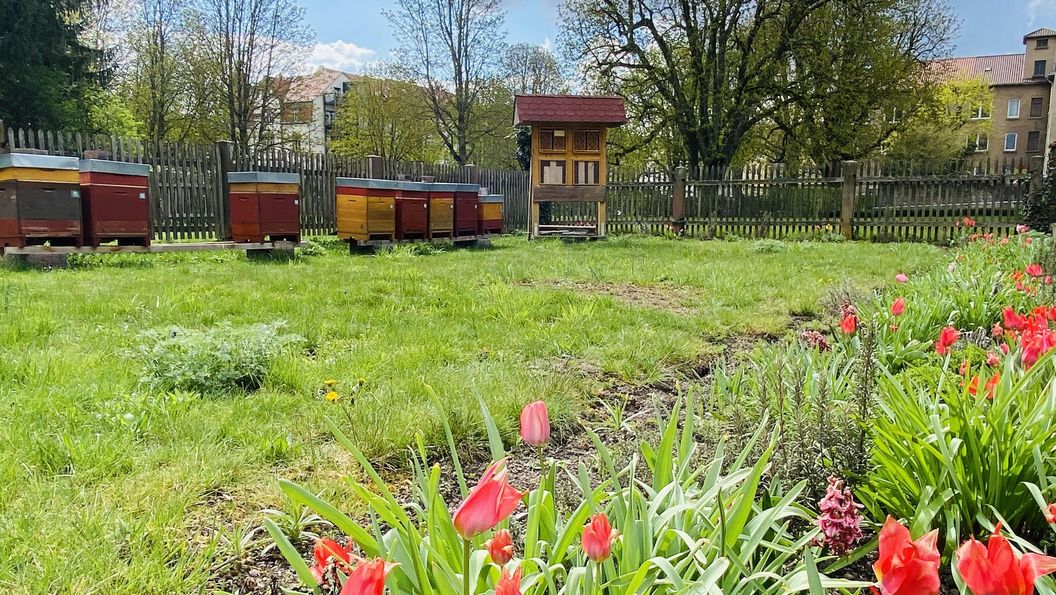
<point>850,182</point>
<point>3,136</point>
<point>471,173</point>
<point>375,167</point>
<point>678,201</point>
<point>1037,165</point>
<point>224,150</point>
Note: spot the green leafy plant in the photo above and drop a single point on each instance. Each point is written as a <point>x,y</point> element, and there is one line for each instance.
<point>216,360</point>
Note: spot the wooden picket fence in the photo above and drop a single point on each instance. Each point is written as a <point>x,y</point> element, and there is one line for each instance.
<point>876,200</point>
<point>187,180</point>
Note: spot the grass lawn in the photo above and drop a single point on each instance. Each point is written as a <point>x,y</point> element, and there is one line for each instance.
<point>107,486</point>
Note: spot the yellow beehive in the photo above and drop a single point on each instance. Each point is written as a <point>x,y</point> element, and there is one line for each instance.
<point>366,209</point>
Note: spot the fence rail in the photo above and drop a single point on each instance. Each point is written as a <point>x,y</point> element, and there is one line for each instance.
<point>880,200</point>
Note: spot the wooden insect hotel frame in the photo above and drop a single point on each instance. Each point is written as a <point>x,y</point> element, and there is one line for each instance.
<point>568,156</point>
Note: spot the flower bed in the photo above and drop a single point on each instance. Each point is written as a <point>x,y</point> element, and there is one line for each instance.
<point>921,415</point>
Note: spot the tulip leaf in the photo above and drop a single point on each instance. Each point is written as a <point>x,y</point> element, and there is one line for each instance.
<point>292,555</point>
<point>498,451</point>
<point>332,514</point>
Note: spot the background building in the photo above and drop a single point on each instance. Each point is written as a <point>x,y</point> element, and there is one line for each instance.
<point>1022,87</point>
<point>309,108</point>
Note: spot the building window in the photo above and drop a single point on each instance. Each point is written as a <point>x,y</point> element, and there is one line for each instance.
<point>1036,107</point>
<point>1033,141</point>
<point>552,172</point>
<point>552,140</point>
<point>297,113</point>
<point>981,112</point>
<point>1010,142</point>
<point>587,173</point>
<point>979,143</point>
<point>1039,68</point>
<point>1041,44</point>
<point>586,141</point>
<point>1013,109</point>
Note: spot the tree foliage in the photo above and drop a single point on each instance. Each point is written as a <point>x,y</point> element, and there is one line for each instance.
<point>716,75</point>
<point>532,69</point>
<point>47,70</point>
<point>943,127</point>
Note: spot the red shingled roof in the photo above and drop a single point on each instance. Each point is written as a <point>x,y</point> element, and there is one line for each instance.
<point>539,109</point>
<point>1005,69</point>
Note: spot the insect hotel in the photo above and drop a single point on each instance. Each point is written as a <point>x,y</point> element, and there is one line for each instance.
<point>568,157</point>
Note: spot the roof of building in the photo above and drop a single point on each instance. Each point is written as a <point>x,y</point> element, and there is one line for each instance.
<point>1004,69</point>
<point>1043,32</point>
<point>310,86</point>
<point>595,109</point>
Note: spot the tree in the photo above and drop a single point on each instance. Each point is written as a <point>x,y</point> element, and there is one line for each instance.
<point>383,115</point>
<point>249,45</point>
<point>450,47</point>
<point>713,71</point>
<point>46,69</point>
<point>943,128</point>
<point>532,69</point>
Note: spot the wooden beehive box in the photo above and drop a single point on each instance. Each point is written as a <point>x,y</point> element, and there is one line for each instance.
<point>491,206</point>
<point>412,211</point>
<point>264,205</point>
<point>366,209</point>
<point>466,209</point>
<point>40,200</point>
<point>115,202</point>
<point>441,210</point>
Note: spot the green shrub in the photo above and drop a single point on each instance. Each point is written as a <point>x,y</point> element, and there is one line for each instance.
<point>312,248</point>
<point>216,360</point>
<point>769,246</point>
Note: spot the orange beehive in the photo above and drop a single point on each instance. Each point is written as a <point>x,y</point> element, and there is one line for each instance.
<point>441,210</point>
<point>366,209</point>
<point>491,206</point>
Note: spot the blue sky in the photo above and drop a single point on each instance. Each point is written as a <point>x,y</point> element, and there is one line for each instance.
<point>354,33</point>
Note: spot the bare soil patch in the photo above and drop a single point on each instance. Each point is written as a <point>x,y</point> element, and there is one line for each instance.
<point>670,298</point>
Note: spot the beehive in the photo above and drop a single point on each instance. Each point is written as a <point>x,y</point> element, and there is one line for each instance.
<point>366,209</point>
<point>466,207</point>
<point>115,203</point>
<point>40,200</point>
<point>491,206</point>
<point>441,210</point>
<point>264,205</point>
<point>412,211</point>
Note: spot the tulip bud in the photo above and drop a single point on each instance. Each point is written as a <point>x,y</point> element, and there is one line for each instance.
<point>535,424</point>
<point>598,537</point>
<point>500,547</point>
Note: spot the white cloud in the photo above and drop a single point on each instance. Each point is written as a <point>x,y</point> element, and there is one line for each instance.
<point>1040,10</point>
<point>546,45</point>
<point>340,55</point>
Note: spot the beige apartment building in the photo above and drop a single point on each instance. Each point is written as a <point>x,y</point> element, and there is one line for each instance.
<point>1022,84</point>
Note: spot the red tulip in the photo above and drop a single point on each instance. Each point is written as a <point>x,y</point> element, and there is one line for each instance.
<point>500,547</point>
<point>598,537</point>
<point>326,550</point>
<point>849,324</point>
<point>1034,270</point>
<point>973,386</point>
<point>991,385</point>
<point>947,338</point>
<point>1050,514</point>
<point>535,424</point>
<point>488,503</point>
<point>1012,321</point>
<point>997,569</point>
<point>509,584</point>
<point>904,566</point>
<point>901,278</point>
<point>898,307</point>
<point>368,578</point>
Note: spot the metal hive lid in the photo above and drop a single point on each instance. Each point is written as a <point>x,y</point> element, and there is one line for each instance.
<point>114,167</point>
<point>368,183</point>
<point>262,177</point>
<point>38,161</point>
<point>491,198</point>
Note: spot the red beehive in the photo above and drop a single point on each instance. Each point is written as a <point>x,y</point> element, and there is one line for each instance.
<point>412,210</point>
<point>466,207</point>
<point>40,200</point>
<point>264,205</point>
<point>114,202</point>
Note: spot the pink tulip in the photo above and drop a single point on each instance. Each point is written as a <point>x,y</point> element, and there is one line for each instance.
<point>488,503</point>
<point>598,537</point>
<point>368,578</point>
<point>500,547</point>
<point>898,307</point>
<point>535,424</point>
<point>901,278</point>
